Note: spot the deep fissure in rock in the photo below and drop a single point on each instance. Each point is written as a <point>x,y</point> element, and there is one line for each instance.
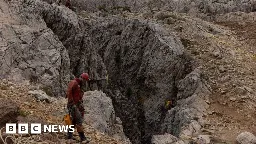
<point>142,65</point>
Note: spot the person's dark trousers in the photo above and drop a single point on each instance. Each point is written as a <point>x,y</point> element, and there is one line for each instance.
<point>82,136</point>
<point>70,134</point>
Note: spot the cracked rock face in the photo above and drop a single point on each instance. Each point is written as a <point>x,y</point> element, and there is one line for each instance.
<point>246,138</point>
<point>101,115</point>
<point>31,51</point>
<point>145,67</point>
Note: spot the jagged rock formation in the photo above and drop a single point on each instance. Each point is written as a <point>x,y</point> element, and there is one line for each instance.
<point>30,50</point>
<point>100,114</point>
<point>246,138</point>
<point>146,66</point>
<point>191,107</point>
<point>139,64</point>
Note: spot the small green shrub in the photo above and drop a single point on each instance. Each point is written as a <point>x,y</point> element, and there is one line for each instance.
<point>23,113</point>
<point>102,8</point>
<point>122,8</point>
<point>47,90</point>
<point>186,42</point>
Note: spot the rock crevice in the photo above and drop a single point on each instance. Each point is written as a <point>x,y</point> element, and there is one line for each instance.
<point>145,67</point>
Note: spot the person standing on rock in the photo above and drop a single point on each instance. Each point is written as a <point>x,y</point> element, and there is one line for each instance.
<point>75,104</point>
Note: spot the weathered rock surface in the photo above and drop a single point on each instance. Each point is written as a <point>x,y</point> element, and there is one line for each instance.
<point>130,53</point>
<point>165,139</point>
<point>30,50</point>
<point>246,138</point>
<point>202,8</point>
<point>8,112</point>
<point>42,96</point>
<point>205,139</point>
<point>145,65</point>
<point>185,119</point>
<point>101,115</point>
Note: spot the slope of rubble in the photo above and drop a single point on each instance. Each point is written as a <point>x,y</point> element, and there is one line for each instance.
<point>30,110</point>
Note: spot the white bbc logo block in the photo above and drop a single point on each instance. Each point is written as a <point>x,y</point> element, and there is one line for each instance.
<point>36,128</point>
<point>23,128</point>
<point>10,128</point>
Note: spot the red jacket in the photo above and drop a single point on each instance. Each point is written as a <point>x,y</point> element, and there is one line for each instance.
<point>74,93</point>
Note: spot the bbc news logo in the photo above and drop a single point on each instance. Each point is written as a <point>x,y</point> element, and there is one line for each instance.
<point>36,128</point>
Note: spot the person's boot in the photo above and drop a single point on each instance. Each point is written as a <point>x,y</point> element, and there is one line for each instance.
<point>70,134</point>
<point>82,137</point>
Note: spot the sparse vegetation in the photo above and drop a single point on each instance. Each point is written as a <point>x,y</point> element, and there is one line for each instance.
<point>23,113</point>
<point>186,43</point>
<point>47,90</point>
<point>122,8</point>
<point>102,8</point>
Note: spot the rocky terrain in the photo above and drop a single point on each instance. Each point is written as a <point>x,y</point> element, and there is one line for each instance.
<point>199,55</point>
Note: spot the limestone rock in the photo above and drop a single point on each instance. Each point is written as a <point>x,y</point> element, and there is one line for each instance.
<point>205,139</point>
<point>30,50</point>
<point>42,96</point>
<point>184,119</point>
<point>164,139</point>
<point>143,62</point>
<point>100,114</point>
<point>145,65</point>
<point>246,138</point>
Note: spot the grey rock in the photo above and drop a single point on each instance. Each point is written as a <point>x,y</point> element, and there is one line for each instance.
<point>204,139</point>
<point>30,50</point>
<point>99,113</point>
<point>179,142</point>
<point>184,118</point>
<point>42,96</point>
<point>145,65</point>
<point>164,139</point>
<point>246,138</point>
<point>130,53</point>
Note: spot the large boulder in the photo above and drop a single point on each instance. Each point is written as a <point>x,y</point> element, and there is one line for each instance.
<point>9,112</point>
<point>101,115</point>
<point>246,138</point>
<point>186,118</point>
<point>40,95</point>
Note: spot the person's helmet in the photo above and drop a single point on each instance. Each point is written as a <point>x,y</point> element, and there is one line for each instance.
<point>85,76</point>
